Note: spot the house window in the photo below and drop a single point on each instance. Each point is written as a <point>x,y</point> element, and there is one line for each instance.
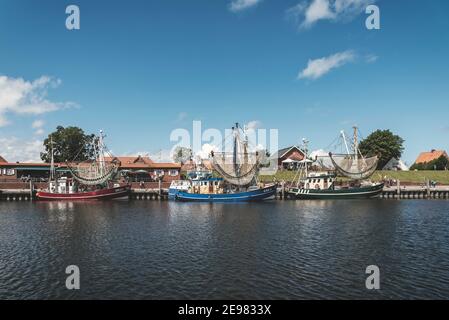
<point>159,172</point>
<point>173,173</point>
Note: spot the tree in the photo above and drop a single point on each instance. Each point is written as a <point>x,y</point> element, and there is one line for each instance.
<point>442,163</point>
<point>182,154</point>
<point>384,144</point>
<point>69,144</point>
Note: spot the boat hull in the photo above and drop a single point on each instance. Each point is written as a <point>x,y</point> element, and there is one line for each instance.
<point>249,196</point>
<point>353,193</point>
<point>103,194</point>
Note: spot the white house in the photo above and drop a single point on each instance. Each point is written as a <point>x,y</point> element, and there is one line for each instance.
<point>396,165</point>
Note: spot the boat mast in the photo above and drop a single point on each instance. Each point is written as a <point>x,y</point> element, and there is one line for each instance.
<point>343,136</point>
<point>52,161</point>
<point>356,144</point>
<point>100,154</point>
<point>234,158</point>
<point>306,155</point>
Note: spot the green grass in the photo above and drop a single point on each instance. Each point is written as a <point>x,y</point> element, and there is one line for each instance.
<point>413,176</point>
<point>417,177</point>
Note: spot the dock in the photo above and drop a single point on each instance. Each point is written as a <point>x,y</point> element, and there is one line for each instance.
<point>136,194</point>
<point>416,193</point>
<point>405,192</point>
<point>160,192</point>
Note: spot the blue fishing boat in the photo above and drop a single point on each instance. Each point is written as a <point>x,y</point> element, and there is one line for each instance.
<point>237,181</point>
<point>250,194</point>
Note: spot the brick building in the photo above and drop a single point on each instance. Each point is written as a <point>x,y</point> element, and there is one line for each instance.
<point>288,158</point>
<point>136,169</point>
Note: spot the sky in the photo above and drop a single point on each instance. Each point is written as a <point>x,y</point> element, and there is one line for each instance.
<point>139,69</point>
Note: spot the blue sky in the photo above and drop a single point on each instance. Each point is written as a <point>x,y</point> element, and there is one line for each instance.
<point>139,69</point>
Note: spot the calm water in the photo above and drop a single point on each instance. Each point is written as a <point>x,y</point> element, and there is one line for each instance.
<point>274,250</point>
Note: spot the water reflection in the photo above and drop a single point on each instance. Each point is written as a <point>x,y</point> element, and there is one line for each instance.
<point>283,249</point>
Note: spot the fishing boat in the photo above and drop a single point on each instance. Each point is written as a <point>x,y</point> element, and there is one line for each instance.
<point>90,180</point>
<point>322,184</point>
<point>236,179</point>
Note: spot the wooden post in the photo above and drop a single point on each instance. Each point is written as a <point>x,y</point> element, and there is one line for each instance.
<point>428,188</point>
<point>283,190</point>
<point>31,190</point>
<point>398,182</point>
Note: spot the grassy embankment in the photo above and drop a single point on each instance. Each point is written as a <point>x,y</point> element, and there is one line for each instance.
<point>418,177</point>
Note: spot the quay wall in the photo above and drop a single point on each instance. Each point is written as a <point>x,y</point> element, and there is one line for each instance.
<point>19,191</point>
<point>24,191</point>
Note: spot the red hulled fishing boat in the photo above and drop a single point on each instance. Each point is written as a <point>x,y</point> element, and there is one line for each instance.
<point>91,180</point>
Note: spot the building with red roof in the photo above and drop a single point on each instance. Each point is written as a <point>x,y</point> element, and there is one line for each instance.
<point>135,169</point>
<point>426,157</point>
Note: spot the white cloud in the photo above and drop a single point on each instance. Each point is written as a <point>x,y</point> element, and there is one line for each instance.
<point>319,67</point>
<point>309,12</point>
<point>206,150</point>
<point>15,149</point>
<point>27,97</point>
<point>37,124</point>
<point>371,58</point>
<point>239,5</point>
<point>253,125</point>
<point>160,156</point>
<point>39,132</point>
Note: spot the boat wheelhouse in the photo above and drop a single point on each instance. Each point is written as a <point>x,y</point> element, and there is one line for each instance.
<point>320,180</point>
